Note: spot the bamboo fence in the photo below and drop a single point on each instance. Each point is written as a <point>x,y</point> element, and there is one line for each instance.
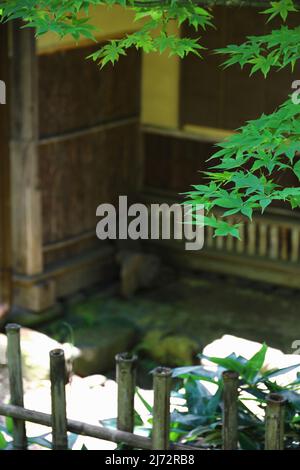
<point>126,375</point>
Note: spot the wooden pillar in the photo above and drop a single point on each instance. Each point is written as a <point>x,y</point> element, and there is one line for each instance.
<point>26,195</point>
<point>5,225</point>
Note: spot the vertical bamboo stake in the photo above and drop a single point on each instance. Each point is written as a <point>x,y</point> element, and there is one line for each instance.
<point>274,438</point>
<point>16,382</point>
<point>230,410</point>
<point>58,399</point>
<point>161,408</point>
<point>126,378</point>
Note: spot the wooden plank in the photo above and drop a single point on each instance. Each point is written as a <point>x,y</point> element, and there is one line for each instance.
<point>229,239</point>
<point>36,293</point>
<point>274,242</point>
<point>284,239</point>
<point>295,245</point>
<point>40,298</point>
<point>262,239</point>
<point>240,244</point>
<point>68,105</point>
<point>273,272</point>
<point>251,246</point>
<point>213,97</point>
<point>198,133</point>
<point>220,242</point>
<point>209,233</point>
<point>5,222</point>
<point>26,197</point>
<point>64,136</point>
<point>90,170</point>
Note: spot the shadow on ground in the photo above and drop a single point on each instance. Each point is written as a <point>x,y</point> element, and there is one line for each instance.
<point>174,321</point>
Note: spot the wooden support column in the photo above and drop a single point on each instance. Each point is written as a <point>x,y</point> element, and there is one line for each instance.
<point>5,225</point>
<point>26,195</point>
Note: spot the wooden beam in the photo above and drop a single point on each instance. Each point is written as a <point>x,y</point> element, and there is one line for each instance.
<point>63,137</point>
<point>26,194</point>
<point>5,223</point>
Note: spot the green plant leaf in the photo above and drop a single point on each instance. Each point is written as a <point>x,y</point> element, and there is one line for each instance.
<point>228,363</point>
<point>254,365</point>
<point>3,442</point>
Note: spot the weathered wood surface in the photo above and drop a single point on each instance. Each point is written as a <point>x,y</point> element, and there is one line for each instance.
<point>80,174</point>
<point>269,249</point>
<point>75,94</point>
<point>5,222</point>
<point>88,145</point>
<point>173,163</point>
<point>230,410</point>
<point>174,160</point>
<point>58,399</point>
<point>14,362</point>
<point>25,190</point>
<point>274,427</point>
<point>126,379</point>
<point>161,408</point>
<point>211,96</point>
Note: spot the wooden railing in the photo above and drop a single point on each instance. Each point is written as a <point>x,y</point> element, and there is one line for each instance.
<point>269,237</point>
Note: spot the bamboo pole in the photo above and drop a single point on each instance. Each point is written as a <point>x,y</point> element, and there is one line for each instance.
<point>126,379</point>
<point>230,410</point>
<point>274,426</point>
<point>16,382</point>
<point>161,408</point>
<point>83,429</point>
<point>58,399</point>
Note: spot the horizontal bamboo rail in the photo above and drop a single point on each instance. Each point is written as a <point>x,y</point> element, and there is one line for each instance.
<point>84,429</point>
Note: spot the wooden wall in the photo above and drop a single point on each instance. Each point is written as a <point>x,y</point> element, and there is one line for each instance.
<point>172,163</point>
<point>211,96</point>
<point>88,143</point>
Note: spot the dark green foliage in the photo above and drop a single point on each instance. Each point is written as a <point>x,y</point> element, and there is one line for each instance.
<point>72,17</point>
<point>202,422</point>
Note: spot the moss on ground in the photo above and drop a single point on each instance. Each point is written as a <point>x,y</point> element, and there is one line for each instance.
<point>200,308</point>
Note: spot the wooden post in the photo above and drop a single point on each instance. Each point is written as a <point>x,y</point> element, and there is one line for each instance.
<point>274,422</point>
<point>126,378</point>
<point>274,242</point>
<point>240,244</point>
<point>230,410</point>
<point>26,198</point>
<point>58,399</point>
<point>5,209</point>
<point>161,408</point>
<point>295,244</point>
<point>262,239</point>
<point>251,248</point>
<point>16,382</point>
